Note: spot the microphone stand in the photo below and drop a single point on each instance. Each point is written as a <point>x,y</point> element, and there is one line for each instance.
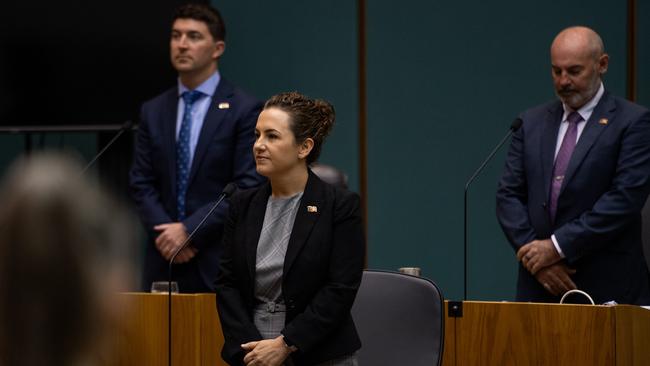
<point>516,124</point>
<point>126,126</point>
<point>227,191</point>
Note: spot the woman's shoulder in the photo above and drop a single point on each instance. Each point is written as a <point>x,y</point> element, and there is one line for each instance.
<point>345,196</point>
<point>245,196</point>
<point>346,202</point>
<point>331,191</point>
<point>342,201</point>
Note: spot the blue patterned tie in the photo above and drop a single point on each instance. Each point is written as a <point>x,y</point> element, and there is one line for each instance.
<point>183,151</point>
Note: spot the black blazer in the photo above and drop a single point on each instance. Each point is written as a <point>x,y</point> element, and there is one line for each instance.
<point>322,272</point>
<point>598,219</point>
<point>223,154</point>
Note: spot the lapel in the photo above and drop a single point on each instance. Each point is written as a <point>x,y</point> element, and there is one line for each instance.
<point>593,129</point>
<point>213,118</point>
<point>168,127</point>
<point>255,220</point>
<point>549,140</point>
<point>305,220</point>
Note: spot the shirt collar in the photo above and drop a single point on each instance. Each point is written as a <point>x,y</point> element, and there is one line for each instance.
<point>586,110</point>
<point>207,87</point>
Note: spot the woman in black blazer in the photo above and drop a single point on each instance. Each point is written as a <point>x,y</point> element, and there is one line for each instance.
<point>293,249</point>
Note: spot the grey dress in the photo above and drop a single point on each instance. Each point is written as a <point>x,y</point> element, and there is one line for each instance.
<point>269,315</point>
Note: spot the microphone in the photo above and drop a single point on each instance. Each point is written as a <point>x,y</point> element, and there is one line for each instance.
<point>516,124</point>
<point>227,192</point>
<point>125,126</point>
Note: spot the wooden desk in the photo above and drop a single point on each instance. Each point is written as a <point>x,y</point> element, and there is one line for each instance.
<point>488,333</point>
<point>497,333</point>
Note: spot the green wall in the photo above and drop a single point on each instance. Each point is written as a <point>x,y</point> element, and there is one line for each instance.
<point>643,55</point>
<point>79,144</point>
<point>444,81</point>
<point>643,92</point>
<point>308,46</point>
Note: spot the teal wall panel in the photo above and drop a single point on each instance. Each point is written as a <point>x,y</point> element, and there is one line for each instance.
<point>308,46</point>
<point>81,145</point>
<point>643,90</point>
<point>445,80</point>
<point>643,52</point>
<point>11,146</point>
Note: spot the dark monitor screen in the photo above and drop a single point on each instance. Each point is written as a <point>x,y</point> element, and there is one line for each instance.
<point>80,63</point>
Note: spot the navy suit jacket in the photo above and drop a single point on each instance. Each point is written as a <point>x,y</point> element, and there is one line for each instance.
<point>598,218</point>
<point>223,154</point>
<point>322,272</point>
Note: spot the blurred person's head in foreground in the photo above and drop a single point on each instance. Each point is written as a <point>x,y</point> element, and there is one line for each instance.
<point>63,246</point>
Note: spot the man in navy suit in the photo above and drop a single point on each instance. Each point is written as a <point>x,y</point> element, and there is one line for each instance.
<point>577,175</point>
<point>192,140</point>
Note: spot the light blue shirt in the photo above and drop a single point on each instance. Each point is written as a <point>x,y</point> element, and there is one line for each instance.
<point>199,109</point>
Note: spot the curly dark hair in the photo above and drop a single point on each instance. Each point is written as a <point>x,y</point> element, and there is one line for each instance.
<point>310,118</point>
<point>204,13</point>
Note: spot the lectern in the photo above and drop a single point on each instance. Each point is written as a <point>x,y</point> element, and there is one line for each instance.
<point>197,337</point>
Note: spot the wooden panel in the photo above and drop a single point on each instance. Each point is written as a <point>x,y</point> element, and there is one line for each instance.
<point>212,340</point>
<point>632,335</point>
<point>534,334</point>
<point>196,336</point>
<point>488,333</point>
<point>449,350</point>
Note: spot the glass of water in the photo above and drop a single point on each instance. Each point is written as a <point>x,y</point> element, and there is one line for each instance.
<point>162,287</point>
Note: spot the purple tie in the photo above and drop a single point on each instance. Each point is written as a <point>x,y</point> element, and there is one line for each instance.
<point>562,160</point>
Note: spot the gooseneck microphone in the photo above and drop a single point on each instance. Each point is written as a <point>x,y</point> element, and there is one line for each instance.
<point>227,192</point>
<point>125,127</point>
<point>516,124</point>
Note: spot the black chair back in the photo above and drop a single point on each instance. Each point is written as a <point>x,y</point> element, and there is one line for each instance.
<point>400,320</point>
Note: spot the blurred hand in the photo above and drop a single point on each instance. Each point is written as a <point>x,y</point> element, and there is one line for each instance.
<point>186,255</point>
<point>556,278</point>
<point>538,254</point>
<point>269,352</point>
<point>171,237</point>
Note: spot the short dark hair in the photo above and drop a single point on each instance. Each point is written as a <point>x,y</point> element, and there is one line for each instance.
<point>206,14</point>
<point>309,118</point>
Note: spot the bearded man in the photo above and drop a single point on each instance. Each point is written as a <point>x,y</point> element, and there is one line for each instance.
<point>576,178</point>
